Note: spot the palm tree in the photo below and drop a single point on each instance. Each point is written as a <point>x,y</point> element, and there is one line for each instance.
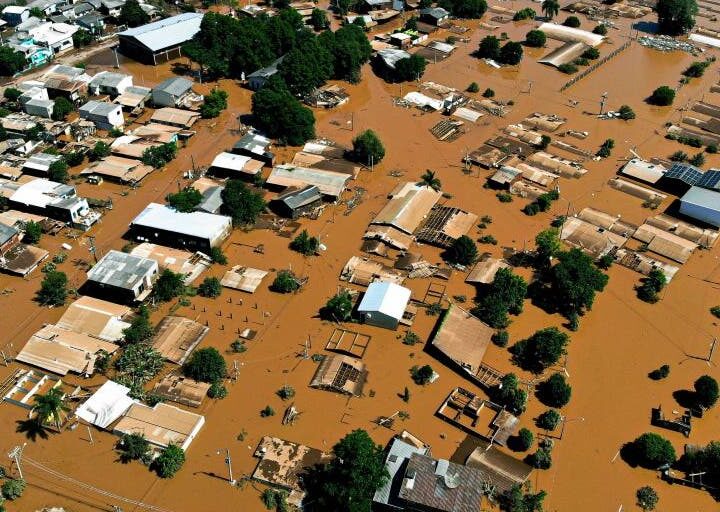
<point>50,406</point>
<point>550,8</point>
<point>429,179</point>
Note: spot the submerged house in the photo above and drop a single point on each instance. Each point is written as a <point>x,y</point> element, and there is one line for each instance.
<point>148,43</point>
<point>54,200</point>
<point>384,304</point>
<point>125,277</point>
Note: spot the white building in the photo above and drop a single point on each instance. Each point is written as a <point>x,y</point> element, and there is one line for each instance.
<point>123,276</point>
<point>107,82</point>
<point>384,303</point>
<point>56,36</point>
<point>106,116</point>
<point>54,200</point>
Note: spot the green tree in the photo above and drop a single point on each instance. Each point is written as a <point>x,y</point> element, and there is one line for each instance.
<point>12,489</point>
<point>137,365</point>
<point>206,365</point>
<point>169,285</point>
<point>82,38</point>
<point>421,375</point>
<point>473,87</point>
<point>555,391</point>
<point>535,38</point>
<point>74,158</point>
<point>547,245</point>
<point>58,171</point>
<point>409,69</point>
<point>61,108</point>
<point>706,391</point>
<point>574,280</point>
<point>133,447</point>
<point>524,14</point>
<point>489,48</point>
<point>12,94</point>
<point>159,156</point>
<point>319,20</point>
<point>511,53</point>
<point>280,115</point>
<point>698,160</point>
<point>50,407</point>
<point>463,251</point>
<point>33,232</point>
<point>651,286</point>
<point>210,287</point>
<point>647,498</point>
<point>169,462</point>
<point>600,30</point>
<point>626,113</point>
<point>285,282</point>
<point>469,9</point>
<point>430,180</point>
<point>509,394</point>
<point>185,200</point>
<point>525,439</point>
<point>218,256</point>
<point>505,295</point>
<point>132,15</point>
<point>515,500</point>
<point>541,350</point>
<point>572,22</point>
<point>338,308</point>
<point>591,53</point>
<point>550,8</point>
<point>541,459</point>
<point>676,17</point>
<point>696,69</point>
<point>306,67</point>
<point>368,148</point>
<point>548,420</point>
<point>349,481</point>
<point>350,48</point>
<point>652,451</point>
<point>36,12</point>
<point>11,61</point>
<point>662,96</point>
<point>140,328</point>
<point>53,289</point>
<point>99,151</point>
<point>305,244</point>
<point>214,103</point>
<point>241,203</point>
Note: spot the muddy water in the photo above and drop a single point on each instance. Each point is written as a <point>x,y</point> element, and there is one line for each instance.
<point>619,341</point>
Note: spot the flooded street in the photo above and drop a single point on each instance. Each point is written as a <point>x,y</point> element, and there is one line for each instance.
<point>619,341</point>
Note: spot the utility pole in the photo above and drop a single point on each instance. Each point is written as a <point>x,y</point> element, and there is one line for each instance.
<point>16,455</point>
<point>228,461</point>
<point>712,350</point>
<point>93,249</point>
<point>117,62</point>
<point>603,99</point>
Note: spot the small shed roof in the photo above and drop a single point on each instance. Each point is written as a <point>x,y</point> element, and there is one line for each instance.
<point>122,270</point>
<point>295,198</point>
<point>175,86</point>
<point>408,206</point>
<point>387,298</point>
<point>106,405</point>
<point>239,163</point>
<point>176,337</point>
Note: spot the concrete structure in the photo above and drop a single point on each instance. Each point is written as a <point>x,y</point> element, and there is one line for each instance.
<point>201,231</point>
<point>106,116</point>
<point>384,304</point>
<point>160,38</point>
<point>161,425</point>
<point>107,82</point>
<point>54,200</point>
<point>701,204</point>
<point>15,14</point>
<point>123,276</point>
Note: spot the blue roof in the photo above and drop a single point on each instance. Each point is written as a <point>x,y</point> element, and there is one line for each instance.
<point>684,172</point>
<point>702,197</point>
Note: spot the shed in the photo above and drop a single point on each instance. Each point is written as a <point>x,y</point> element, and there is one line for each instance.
<point>170,92</point>
<point>182,390</point>
<point>96,317</point>
<point>160,38</point>
<point>701,204</point>
<point>463,339</point>
<point>384,304</point>
<point>484,270</point>
<point>342,374</point>
<point>294,201</point>
<point>499,469</point>
<point>259,78</point>
<point>176,337</point>
<point>106,405</point>
<point>123,276</point>
<point>231,165</point>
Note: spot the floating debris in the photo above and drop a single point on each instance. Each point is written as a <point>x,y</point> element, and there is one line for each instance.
<point>667,44</point>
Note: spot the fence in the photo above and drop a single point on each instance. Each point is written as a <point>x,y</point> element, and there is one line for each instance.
<point>592,68</point>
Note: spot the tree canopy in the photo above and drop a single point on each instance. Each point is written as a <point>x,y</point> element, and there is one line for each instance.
<point>185,200</point>
<point>541,350</point>
<point>555,391</point>
<point>140,328</point>
<point>214,103</point>
<point>349,481</point>
<point>53,289</point>
<point>169,462</point>
<point>651,450</point>
<point>516,500</point>
<point>319,20</point>
<point>489,48</point>
<point>132,14</point>
<point>463,251</point>
<point>338,307</point>
<point>306,67</point>
<point>285,282</point>
<point>535,38</point>
<point>159,156</point>
<point>206,365</point>
<point>550,8</point>
<point>676,17</point>
<point>471,9</point>
<point>169,285</point>
<point>305,244</point>
<point>662,96</point>
<point>509,394</point>
<point>241,203</point>
<point>58,171</point>
<point>11,61</point>
<point>137,365</point>
<point>210,287</point>
<point>280,115</point>
<point>511,53</point>
<point>706,391</point>
<point>574,280</point>
<point>504,295</point>
<point>368,148</point>
<point>409,69</point>
<point>547,245</point>
<point>61,108</point>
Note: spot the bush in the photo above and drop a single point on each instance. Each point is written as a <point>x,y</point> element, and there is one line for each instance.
<point>210,287</point>
<point>185,200</point>
<point>267,412</point>
<point>473,87</point>
<point>338,308</point>
<point>600,30</point>
<point>368,148</point>
<point>696,69</point>
<point>651,451</point>
<point>421,375</point>
<point>651,286</point>
<point>606,148</point>
<point>535,39</point>
<point>660,373</point>
<point>62,108</point>
<point>217,391</point>
<point>489,48</point>
<point>169,462</point>
<point>698,160</point>
<point>305,244</point>
<point>159,156</point>
<point>591,54</point>
<point>572,22</point>
<point>679,156</point>
<point>541,350</point>
<point>99,151</point>
<point>662,96</point>
<point>286,392</point>
<point>541,459</point>
<point>214,103</point>
<point>706,391</point>
<point>463,251</point>
<point>285,282</point>
<point>525,439</point>
<point>711,148</point>
<point>555,391</point>
<point>626,113</point>
<point>524,14</point>
<point>715,311</point>
<point>217,256</point>
<point>504,197</point>
<point>13,489</point>
<point>509,395</point>
<point>53,289</point>
<point>206,365</point>
<point>140,328</point>
<point>33,232</point>
<point>647,498</point>
<point>238,346</point>
<point>531,209</point>
<point>74,158</point>
<point>581,61</point>
<point>548,420</point>
<point>488,93</point>
<point>568,68</point>
<point>133,447</point>
<point>500,338</point>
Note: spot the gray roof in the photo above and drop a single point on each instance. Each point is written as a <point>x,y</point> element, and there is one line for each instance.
<point>176,86</point>
<point>6,233</point>
<point>212,200</point>
<point>702,197</point>
<point>41,161</point>
<point>268,71</point>
<point>121,270</point>
<point>98,108</point>
<point>90,19</point>
<point>107,79</point>
<point>168,32</point>
<point>435,12</point>
<point>253,142</point>
<point>112,4</point>
<point>297,198</point>
<point>138,89</point>
<point>398,452</point>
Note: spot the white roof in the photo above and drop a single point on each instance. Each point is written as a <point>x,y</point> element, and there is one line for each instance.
<point>710,41</point>
<point>39,192</point>
<point>330,183</point>
<point>419,99</point>
<point>391,56</point>
<point>106,405</point>
<point>230,161</point>
<point>15,9</point>
<point>567,34</point>
<point>387,298</point>
<point>200,224</point>
<point>168,32</point>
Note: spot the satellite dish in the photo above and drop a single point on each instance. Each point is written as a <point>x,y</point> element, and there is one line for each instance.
<point>452,481</point>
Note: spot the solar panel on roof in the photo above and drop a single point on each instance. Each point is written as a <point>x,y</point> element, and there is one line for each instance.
<point>685,173</point>
<point>711,179</point>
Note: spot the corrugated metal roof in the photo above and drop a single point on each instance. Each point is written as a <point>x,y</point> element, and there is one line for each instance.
<point>175,86</point>
<point>122,270</point>
<point>165,33</point>
<point>199,224</point>
<point>387,298</point>
<point>702,197</point>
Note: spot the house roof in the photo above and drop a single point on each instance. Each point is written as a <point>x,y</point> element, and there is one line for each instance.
<point>199,224</point>
<point>41,192</point>
<point>98,108</point>
<point>122,270</point>
<point>498,468</point>
<point>398,452</point>
<point>175,86</point>
<point>484,271</point>
<point>391,56</point>
<point>463,338</point>
<point>41,161</point>
<point>435,12</point>
<point>246,279</point>
<point>182,390</point>
<point>15,9</point>
<point>108,79</point>
<point>175,116</point>
<point>96,317</point>
<point>161,425</point>
<point>705,198</point>
<point>124,169</point>
<point>282,462</point>
<point>254,143</point>
<point>176,337</point>
<point>387,298</point>
<point>408,206</point>
<point>106,405</point>
<point>179,261</point>
<point>168,32</point>
<point>343,374</point>
<point>295,198</point>
<point>267,71</point>
<point>240,163</point>
<point>330,183</point>
<point>570,34</point>
<point>7,233</point>
<point>568,52</point>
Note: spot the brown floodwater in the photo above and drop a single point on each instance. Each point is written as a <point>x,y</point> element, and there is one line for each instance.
<point>618,343</point>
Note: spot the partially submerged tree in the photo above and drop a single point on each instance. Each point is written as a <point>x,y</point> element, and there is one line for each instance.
<point>169,462</point>
<point>548,420</point>
<point>651,451</point>
<point>651,286</point>
<point>489,48</point>
<point>676,17</point>
<point>280,115</point>
<point>573,281</point>
<point>367,148</point>
<point>550,8</point>
<point>62,108</point>
<point>241,203</point>
<point>647,498</point>
<point>555,391</point>
<point>185,200</point>
<point>33,232</point>
<point>169,285</point>
<point>210,287</point>
<point>285,282</point>
<point>510,54</point>
<point>706,391</point>
<point>535,39</point>
<point>662,96</point>
<point>53,289</point>
<point>133,447</point>
<point>430,180</point>
<point>50,407</point>
<point>338,308</point>
<point>140,328</point>
<point>214,103</point>
<point>206,365</point>
<point>541,350</point>
<point>421,375</point>
<point>509,394</point>
<point>305,244</point>
<point>505,295</point>
<point>137,365</point>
